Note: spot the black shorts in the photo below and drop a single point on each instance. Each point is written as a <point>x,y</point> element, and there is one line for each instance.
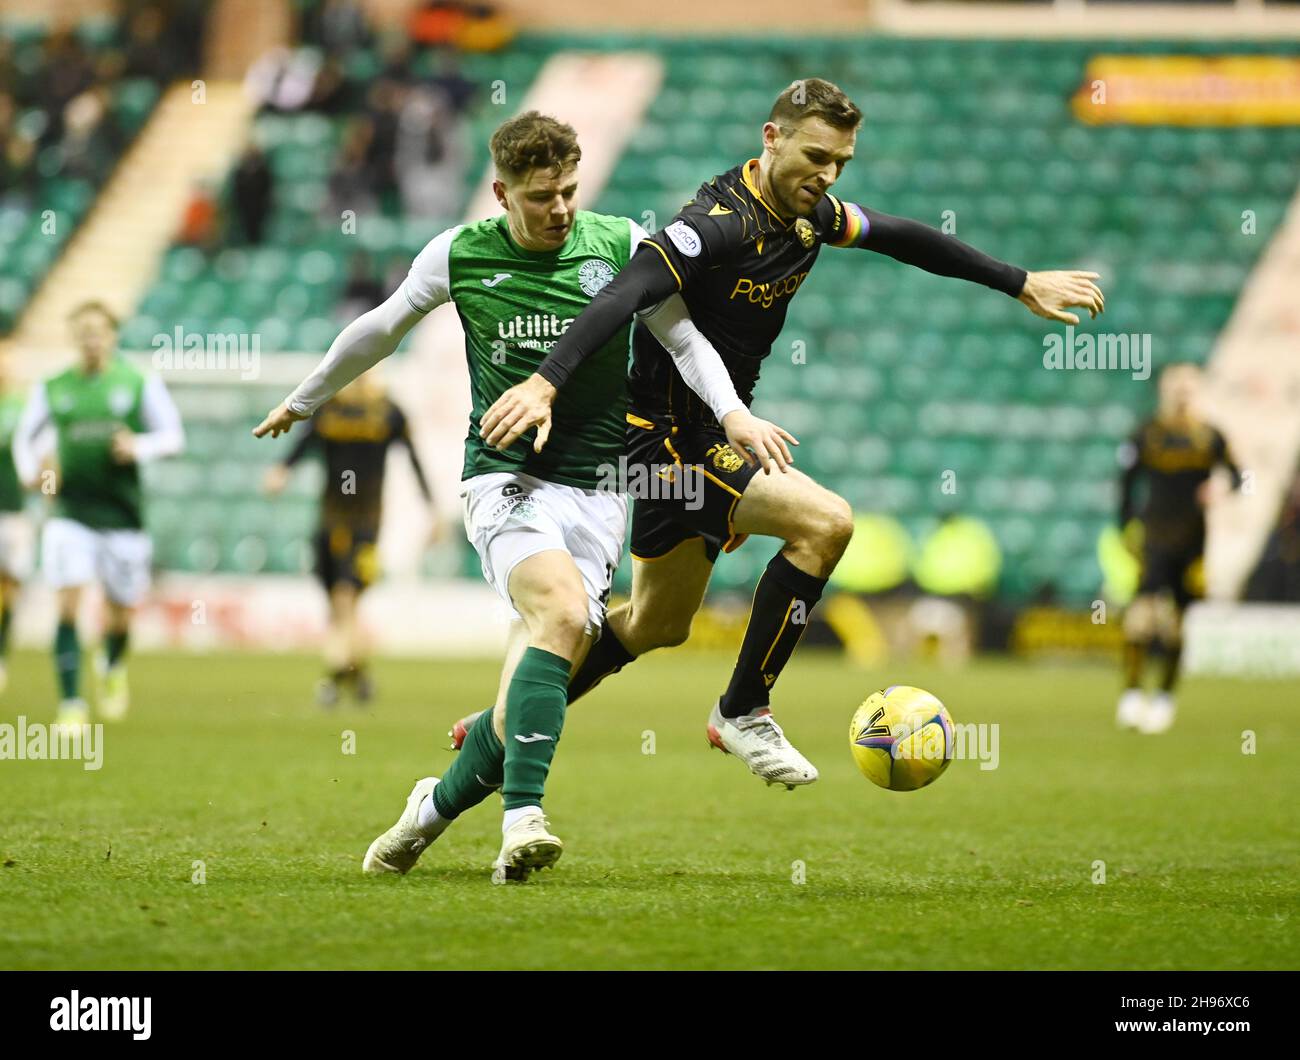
<point>1174,566</point>
<point>346,555</point>
<point>685,481</point>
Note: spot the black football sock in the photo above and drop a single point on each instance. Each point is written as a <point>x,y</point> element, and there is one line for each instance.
<point>784,598</point>
<point>114,647</point>
<point>6,618</point>
<point>67,659</point>
<point>607,656</point>
<point>1169,674</point>
<point>1135,657</point>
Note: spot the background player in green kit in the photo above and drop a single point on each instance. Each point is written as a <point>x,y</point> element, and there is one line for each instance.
<point>15,527</point>
<point>107,418</point>
<point>546,526</point>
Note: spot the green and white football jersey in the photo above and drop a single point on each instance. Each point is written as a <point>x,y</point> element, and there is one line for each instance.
<point>85,411</point>
<point>11,492</point>
<point>513,305</point>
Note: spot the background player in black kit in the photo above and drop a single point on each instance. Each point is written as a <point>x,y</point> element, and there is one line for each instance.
<point>1165,486</point>
<point>353,432</point>
<point>738,252</point>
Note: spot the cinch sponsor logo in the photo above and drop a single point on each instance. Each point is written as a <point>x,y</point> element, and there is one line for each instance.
<point>536,326</point>
<point>765,294</point>
<point>77,1013</point>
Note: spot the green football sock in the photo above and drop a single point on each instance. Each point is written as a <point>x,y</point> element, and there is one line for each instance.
<point>114,647</point>
<point>67,659</point>
<point>535,705</point>
<point>476,773</point>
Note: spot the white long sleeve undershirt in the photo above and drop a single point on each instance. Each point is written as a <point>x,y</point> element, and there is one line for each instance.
<point>376,334</point>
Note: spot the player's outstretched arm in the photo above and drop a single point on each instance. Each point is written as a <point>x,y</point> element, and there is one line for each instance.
<point>360,346</point>
<point>1047,294</point>
<point>642,282</point>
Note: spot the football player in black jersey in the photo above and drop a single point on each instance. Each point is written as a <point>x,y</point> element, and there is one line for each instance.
<point>353,431</point>
<point>1170,457</point>
<point>738,252</point>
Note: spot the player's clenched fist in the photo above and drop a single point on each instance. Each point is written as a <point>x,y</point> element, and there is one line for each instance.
<point>754,438</point>
<point>519,409</point>
<point>277,422</point>
<point>1047,294</point>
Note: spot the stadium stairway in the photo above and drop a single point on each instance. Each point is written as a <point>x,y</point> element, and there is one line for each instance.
<point>1254,376</point>
<point>191,136</point>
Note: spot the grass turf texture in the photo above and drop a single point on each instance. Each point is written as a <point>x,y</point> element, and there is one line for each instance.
<point>677,859</point>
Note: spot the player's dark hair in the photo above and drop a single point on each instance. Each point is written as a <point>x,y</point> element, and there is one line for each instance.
<point>531,141</point>
<point>811,97</point>
<point>94,305</point>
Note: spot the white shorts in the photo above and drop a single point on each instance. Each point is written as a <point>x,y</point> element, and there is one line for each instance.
<point>509,517</point>
<point>74,554</point>
<point>16,539</point>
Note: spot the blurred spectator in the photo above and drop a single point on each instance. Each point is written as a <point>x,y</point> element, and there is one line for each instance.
<point>351,185</point>
<point>363,291</point>
<point>430,157</point>
<point>91,136</point>
<point>252,192</point>
<point>199,221</point>
<point>384,107</point>
<point>458,89</point>
<point>146,53</point>
<point>337,26</point>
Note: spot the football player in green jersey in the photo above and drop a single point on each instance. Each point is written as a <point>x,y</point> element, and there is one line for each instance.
<point>547,525</point>
<point>15,527</point>
<point>106,418</point>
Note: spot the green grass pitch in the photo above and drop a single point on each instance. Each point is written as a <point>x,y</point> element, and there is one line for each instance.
<point>677,859</point>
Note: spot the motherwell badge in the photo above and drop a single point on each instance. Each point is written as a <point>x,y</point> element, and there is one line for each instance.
<point>804,230</point>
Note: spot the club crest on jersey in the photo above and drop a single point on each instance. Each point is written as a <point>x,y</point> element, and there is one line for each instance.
<point>593,275</point>
<point>684,238</point>
<point>725,458</point>
<point>120,400</point>
<point>804,230</point>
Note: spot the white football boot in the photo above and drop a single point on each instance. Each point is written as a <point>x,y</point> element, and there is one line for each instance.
<point>1132,709</point>
<point>1159,716</point>
<point>73,714</point>
<point>757,740</point>
<point>398,849</point>
<point>526,845</point>
<point>114,697</point>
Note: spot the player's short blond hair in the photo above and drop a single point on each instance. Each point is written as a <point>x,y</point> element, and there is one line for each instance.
<point>811,97</point>
<point>533,140</point>
<point>94,305</point>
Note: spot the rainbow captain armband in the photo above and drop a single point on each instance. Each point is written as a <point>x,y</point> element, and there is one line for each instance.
<point>851,224</point>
